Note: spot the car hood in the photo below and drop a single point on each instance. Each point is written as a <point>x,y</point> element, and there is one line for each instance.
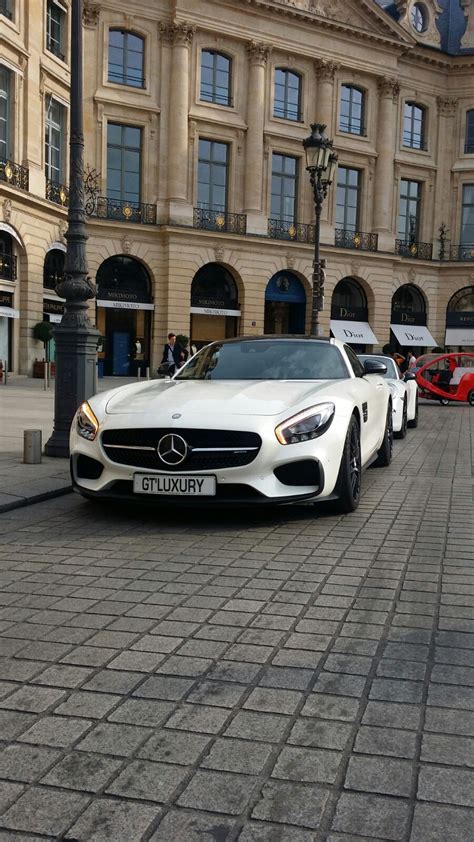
<point>197,399</point>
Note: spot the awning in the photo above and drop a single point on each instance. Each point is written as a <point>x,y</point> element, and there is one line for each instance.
<point>9,312</point>
<point>125,305</point>
<point>54,318</point>
<point>354,333</point>
<point>460,336</point>
<point>413,335</point>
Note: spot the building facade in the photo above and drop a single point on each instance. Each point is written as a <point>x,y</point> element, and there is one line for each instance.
<point>201,210</point>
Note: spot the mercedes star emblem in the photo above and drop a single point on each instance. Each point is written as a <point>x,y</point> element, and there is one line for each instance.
<point>172,449</point>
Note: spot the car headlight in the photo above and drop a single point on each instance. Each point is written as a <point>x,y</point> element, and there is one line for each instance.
<point>86,422</point>
<point>306,425</point>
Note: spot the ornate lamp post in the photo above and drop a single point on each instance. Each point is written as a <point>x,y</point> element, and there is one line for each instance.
<point>321,163</point>
<point>76,339</point>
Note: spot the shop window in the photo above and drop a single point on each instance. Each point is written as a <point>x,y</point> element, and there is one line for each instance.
<point>53,269</point>
<point>124,162</point>
<point>126,58</point>
<point>55,29</point>
<point>215,78</point>
<point>352,114</point>
<point>414,125</point>
<point>287,95</point>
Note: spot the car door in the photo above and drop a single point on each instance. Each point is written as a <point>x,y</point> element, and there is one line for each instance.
<point>371,391</point>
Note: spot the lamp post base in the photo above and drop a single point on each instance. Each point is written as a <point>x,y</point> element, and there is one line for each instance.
<point>76,354</point>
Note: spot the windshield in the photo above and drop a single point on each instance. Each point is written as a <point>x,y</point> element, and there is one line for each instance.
<point>262,359</point>
<point>392,373</point>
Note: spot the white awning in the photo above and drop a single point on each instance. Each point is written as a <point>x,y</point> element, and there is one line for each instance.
<point>417,336</point>
<point>214,311</point>
<point>460,336</point>
<point>125,305</point>
<point>354,333</point>
<point>9,312</point>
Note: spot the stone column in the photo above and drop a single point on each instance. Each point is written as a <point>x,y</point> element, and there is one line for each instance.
<point>179,36</point>
<point>389,90</point>
<point>325,72</point>
<point>445,156</point>
<point>253,190</point>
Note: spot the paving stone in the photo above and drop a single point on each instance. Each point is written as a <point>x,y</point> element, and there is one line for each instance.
<point>396,691</point>
<point>377,774</point>
<point>291,803</point>
<point>452,750</point>
<point>260,832</point>
<point>164,687</point>
<point>228,671</point>
<point>145,712</point>
<point>89,656</point>
<point>109,738</point>
<point>449,721</point>
<point>218,792</point>
<point>343,685</point>
<point>208,720</point>
<point>331,707</point>
<point>258,726</point>
<point>12,723</point>
<point>56,731</point>
<point>180,665</point>
<point>188,826</point>
<point>26,763</point>
<point>180,747</point>
<point>438,824</point>
<point>286,678</point>
<point>389,715</point>
<point>448,786</point>
<point>307,765</point>
<point>9,793</point>
<point>230,755</point>
<point>136,661</point>
<point>32,699</point>
<point>90,705</point>
<point>320,733</point>
<point>386,741</point>
<point>107,819</point>
<point>113,681</point>
<point>82,771</point>
<point>149,781</point>
<point>273,701</point>
<point>39,810</point>
<point>371,815</point>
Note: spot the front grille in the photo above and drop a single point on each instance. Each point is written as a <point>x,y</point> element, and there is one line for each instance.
<point>220,448</point>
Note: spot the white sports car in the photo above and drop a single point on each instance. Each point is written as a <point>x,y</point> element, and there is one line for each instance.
<point>404,394</point>
<point>248,420</point>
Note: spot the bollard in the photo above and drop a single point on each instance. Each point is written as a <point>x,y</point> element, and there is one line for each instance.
<point>45,377</point>
<point>32,447</point>
<point>138,373</point>
<point>148,374</point>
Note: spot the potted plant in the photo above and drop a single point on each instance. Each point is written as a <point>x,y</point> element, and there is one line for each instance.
<point>43,332</point>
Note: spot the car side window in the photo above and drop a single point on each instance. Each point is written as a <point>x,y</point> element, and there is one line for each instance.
<point>356,364</point>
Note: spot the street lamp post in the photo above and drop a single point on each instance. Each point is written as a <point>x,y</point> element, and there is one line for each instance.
<point>76,340</point>
<point>321,163</point>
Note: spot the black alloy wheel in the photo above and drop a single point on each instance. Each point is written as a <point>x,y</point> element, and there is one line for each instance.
<point>444,401</point>
<point>414,421</point>
<point>384,455</point>
<point>348,485</point>
<point>470,398</point>
<point>403,430</point>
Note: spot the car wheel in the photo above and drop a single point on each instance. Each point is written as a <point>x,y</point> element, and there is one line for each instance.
<point>470,398</point>
<point>444,402</point>
<point>414,421</point>
<point>349,478</point>
<point>384,455</point>
<point>403,430</point>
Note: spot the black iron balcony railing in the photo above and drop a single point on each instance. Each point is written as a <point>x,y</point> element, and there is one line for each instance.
<point>57,193</point>
<point>14,174</point>
<point>8,267</point>
<point>296,231</point>
<point>460,252</point>
<point>125,211</point>
<point>232,223</point>
<point>420,251</point>
<point>356,240</point>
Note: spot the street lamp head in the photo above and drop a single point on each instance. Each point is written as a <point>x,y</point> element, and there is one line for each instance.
<point>317,148</point>
<point>331,169</point>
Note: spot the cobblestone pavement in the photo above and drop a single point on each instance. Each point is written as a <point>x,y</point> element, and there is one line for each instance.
<point>292,676</point>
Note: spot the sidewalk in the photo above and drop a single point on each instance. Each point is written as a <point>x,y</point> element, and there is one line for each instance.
<point>25,405</point>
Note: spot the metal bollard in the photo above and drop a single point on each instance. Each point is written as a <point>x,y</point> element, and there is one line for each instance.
<point>148,374</point>
<point>32,447</point>
<point>138,373</point>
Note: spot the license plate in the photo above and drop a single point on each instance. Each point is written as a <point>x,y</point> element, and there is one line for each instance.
<point>184,485</point>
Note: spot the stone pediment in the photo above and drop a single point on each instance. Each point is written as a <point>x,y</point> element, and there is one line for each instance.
<point>359,14</point>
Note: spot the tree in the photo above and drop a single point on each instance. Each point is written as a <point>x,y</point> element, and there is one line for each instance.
<point>44,331</point>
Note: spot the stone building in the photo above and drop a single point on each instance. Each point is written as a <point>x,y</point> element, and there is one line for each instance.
<point>203,221</point>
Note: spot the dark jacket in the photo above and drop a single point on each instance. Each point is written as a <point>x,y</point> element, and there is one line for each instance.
<point>179,354</point>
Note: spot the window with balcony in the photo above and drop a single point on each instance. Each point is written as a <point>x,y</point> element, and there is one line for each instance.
<point>414,120</point>
<point>409,213</point>
<point>212,175</point>
<point>287,95</point>
<point>124,145</point>
<point>469,136</point>
<point>126,58</point>
<point>55,126</point>
<point>7,8</point>
<point>347,199</point>
<point>55,29</point>
<point>5,117</point>
<point>284,188</point>
<point>215,78</point>
<point>467,216</point>
<point>352,114</point>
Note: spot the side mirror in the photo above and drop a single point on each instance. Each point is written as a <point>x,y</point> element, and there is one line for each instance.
<point>409,375</point>
<point>374,367</point>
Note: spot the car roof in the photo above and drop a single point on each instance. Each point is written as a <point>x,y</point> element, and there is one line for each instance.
<point>272,336</point>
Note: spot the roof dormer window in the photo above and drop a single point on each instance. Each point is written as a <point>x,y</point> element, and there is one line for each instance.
<point>419,17</point>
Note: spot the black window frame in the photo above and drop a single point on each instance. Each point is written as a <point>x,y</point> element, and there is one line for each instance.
<point>413,139</point>
<point>6,9</point>
<point>348,190</point>
<point>56,17</point>
<point>285,177</point>
<point>355,125</point>
<point>214,97</point>
<point>410,232</point>
<point>464,205</point>
<point>6,118</point>
<point>124,148</point>
<point>469,133</point>
<point>287,111</point>
<point>214,164</point>
<point>124,78</point>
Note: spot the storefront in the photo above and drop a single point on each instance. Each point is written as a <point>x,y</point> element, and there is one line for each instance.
<point>285,305</point>
<point>350,316</point>
<point>460,321</point>
<point>124,309</point>
<point>408,321</point>
<point>7,315</point>
<point>215,309</point>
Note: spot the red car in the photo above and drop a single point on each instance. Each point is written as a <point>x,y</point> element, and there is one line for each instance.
<point>447,377</point>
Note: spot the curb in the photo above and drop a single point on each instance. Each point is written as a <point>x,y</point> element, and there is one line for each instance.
<point>37,498</point>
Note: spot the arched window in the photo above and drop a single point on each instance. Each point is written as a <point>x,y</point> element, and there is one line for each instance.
<point>123,278</point>
<point>462,301</point>
<point>469,136</point>
<point>409,300</point>
<point>53,269</point>
<point>7,258</point>
<point>286,101</point>
<point>215,78</point>
<point>349,295</point>
<point>214,287</point>
<point>126,51</point>
<point>414,126</point>
<point>352,116</point>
